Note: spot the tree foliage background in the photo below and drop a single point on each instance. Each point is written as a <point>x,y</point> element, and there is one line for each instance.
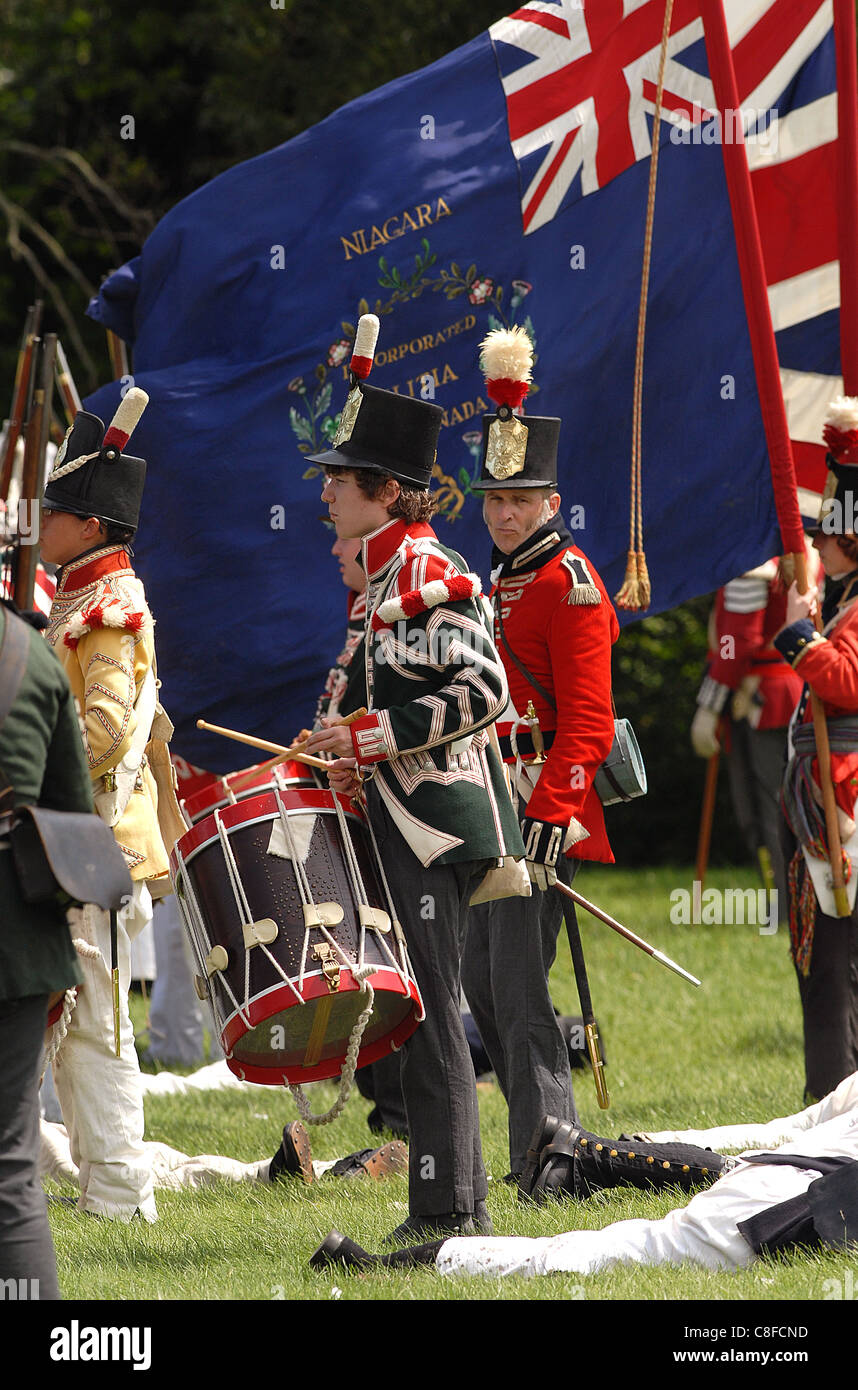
<point>208,83</point>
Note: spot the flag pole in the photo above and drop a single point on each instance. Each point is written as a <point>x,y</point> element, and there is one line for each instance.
<point>752,270</point>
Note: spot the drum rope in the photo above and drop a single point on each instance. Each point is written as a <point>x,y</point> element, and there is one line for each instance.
<point>195,912</point>
<point>358,886</point>
<point>60,1029</point>
<point>403,968</point>
<point>305,891</point>
<point>361,973</point>
<point>242,905</point>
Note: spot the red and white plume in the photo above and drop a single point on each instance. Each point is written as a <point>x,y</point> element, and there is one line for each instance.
<point>840,430</point>
<point>363,352</point>
<point>124,422</point>
<point>506,359</point>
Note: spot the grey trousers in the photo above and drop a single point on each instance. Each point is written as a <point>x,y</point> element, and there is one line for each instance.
<point>510,949</point>
<point>26,1249</point>
<point>755,765</point>
<point>446,1172</point>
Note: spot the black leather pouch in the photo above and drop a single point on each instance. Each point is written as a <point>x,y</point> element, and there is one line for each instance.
<point>68,858</point>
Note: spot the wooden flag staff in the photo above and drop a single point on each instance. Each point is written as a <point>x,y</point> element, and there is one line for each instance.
<point>823,757</point>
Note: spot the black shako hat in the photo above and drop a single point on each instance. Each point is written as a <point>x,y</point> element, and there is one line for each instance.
<point>380,430</point>
<point>537,449</point>
<point>91,475</point>
<point>518,451</point>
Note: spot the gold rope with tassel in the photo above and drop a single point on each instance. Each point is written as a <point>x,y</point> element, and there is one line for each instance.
<point>636,590</point>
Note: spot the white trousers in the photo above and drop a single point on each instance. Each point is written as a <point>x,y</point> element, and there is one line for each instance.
<point>703,1233</point>
<point>171,1169</point>
<point>100,1095</point>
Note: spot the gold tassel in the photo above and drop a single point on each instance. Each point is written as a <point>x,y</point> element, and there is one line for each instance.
<point>636,591</point>
<point>644,585</point>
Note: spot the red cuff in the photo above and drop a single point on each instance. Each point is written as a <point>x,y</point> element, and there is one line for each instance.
<point>370,739</point>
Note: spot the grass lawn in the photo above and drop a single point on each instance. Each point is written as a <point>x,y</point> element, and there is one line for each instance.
<point>677,1056</point>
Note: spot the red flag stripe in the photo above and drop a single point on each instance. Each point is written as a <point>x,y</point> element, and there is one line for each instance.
<point>764,45</point>
<point>797,212</point>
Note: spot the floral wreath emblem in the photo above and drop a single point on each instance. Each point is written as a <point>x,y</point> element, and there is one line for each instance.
<point>313,424</point>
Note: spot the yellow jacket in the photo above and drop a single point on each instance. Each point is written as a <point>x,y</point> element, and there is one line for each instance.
<point>102,631</point>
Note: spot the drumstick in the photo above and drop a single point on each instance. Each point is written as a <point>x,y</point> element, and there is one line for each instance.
<point>269,747</point>
<point>242,780</point>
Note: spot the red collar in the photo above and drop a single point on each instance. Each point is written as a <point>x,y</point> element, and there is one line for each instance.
<point>380,546</point>
<point>80,573</point>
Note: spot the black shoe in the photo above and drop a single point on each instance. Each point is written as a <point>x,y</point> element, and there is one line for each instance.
<point>337,1249</point>
<point>542,1135</point>
<point>415,1230</point>
<point>294,1158</point>
<point>557,1164</point>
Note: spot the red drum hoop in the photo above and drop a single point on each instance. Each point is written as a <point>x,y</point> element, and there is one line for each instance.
<point>238,786</point>
<point>285,1008</point>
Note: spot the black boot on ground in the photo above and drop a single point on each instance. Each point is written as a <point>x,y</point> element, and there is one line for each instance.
<point>575,1163</point>
<point>294,1158</point>
<point>337,1249</point>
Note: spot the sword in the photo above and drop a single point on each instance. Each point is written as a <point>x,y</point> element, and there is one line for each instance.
<point>532,718</point>
<point>591,1032</point>
<point>624,931</point>
<point>114,975</point>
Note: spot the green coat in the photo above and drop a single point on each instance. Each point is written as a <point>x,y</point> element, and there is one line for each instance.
<point>434,682</point>
<point>43,760</point>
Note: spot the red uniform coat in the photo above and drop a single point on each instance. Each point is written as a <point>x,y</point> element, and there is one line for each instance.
<point>829,664</point>
<point>566,644</point>
<point>748,612</point>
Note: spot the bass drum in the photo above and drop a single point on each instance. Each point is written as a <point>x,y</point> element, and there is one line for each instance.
<point>287,913</point>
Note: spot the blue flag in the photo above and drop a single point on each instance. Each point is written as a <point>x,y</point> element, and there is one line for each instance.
<point>505,184</point>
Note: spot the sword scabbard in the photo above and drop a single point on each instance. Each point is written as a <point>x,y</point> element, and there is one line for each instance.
<point>597,1062</point>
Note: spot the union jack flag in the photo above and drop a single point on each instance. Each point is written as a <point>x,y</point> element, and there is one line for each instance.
<point>580,81</point>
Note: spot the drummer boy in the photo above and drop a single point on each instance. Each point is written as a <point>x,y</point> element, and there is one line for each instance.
<point>434,789</point>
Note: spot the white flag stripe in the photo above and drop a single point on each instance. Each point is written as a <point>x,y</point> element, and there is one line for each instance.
<point>742,15</point>
<point>778,78</point>
<point>806,397</point>
<point>797,133</point>
<point>550,50</point>
<point>804,296</point>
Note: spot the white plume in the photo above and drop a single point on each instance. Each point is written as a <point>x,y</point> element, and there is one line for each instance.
<point>507,353</point>
<point>842,413</point>
<point>366,336</point>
